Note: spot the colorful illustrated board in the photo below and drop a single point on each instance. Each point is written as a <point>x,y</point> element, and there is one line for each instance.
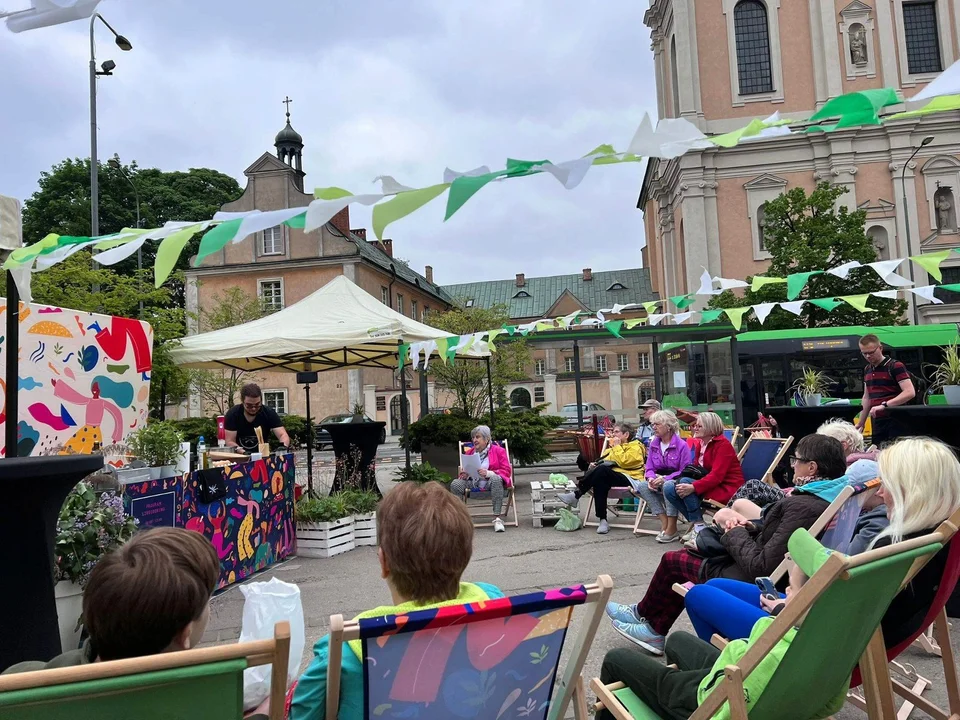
<point>251,525</point>
<point>83,379</point>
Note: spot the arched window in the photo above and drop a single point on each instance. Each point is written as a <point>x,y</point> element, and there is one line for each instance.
<point>674,77</point>
<point>752,35</point>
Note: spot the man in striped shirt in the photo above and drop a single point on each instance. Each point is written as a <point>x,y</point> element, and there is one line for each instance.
<point>886,384</point>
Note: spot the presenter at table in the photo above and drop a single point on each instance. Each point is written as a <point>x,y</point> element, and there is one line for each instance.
<point>241,420</point>
<point>886,383</point>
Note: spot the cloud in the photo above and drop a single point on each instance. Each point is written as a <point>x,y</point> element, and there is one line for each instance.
<point>404,89</point>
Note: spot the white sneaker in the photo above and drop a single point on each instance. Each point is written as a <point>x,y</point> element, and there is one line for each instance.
<point>498,525</point>
<point>603,528</point>
<point>568,498</point>
<point>664,538</point>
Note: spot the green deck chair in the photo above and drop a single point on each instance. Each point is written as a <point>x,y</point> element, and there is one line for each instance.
<point>840,607</point>
<point>204,684</point>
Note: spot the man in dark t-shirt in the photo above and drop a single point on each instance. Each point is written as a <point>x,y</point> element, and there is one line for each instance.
<point>886,384</point>
<point>240,420</point>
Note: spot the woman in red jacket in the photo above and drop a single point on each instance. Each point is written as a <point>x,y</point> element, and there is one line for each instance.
<point>716,455</point>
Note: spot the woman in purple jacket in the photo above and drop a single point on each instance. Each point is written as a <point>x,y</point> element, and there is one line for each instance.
<point>667,456</point>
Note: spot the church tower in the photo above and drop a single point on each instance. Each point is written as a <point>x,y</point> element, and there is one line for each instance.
<point>289,146</point>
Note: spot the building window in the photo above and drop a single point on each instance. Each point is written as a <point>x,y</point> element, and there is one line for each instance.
<point>423,313</point>
<point>385,295</point>
<point>643,360</point>
<point>922,37</point>
<point>568,364</point>
<point>413,309</point>
<point>623,362</point>
<point>271,294</point>
<point>276,399</point>
<point>539,368</point>
<point>539,395</point>
<point>400,303</point>
<point>521,295</point>
<point>271,241</point>
<point>754,70</point>
<point>601,363</point>
<point>646,392</point>
<point>951,275</point>
<point>616,286</point>
<point>469,302</point>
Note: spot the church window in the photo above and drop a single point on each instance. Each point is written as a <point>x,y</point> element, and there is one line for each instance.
<point>752,33</point>
<point>922,37</point>
<point>271,241</point>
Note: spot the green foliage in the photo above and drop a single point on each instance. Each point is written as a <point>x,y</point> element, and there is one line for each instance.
<point>438,429</point>
<point>421,474</point>
<point>360,502</point>
<point>192,428</point>
<point>157,443</point>
<point>813,382</point>
<point>524,432</point>
<point>296,427</point>
<point>948,371</point>
<point>323,509</point>
<point>91,524</point>
<point>804,233</point>
<point>467,379</point>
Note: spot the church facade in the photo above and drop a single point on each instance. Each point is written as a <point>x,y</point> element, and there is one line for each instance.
<point>721,63</point>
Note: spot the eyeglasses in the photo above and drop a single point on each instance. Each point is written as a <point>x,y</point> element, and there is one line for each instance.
<point>794,459</point>
<point>868,353</point>
<point>253,406</point>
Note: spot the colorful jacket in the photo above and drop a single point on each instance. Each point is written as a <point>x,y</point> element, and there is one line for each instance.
<point>500,464</point>
<point>724,474</point>
<point>669,463</point>
<point>629,458</point>
<point>310,695</point>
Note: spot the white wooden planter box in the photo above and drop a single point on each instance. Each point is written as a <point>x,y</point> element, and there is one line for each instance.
<point>365,529</point>
<point>325,539</point>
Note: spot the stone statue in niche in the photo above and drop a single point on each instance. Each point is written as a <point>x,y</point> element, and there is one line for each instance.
<point>762,225</point>
<point>946,214</point>
<point>858,44</point>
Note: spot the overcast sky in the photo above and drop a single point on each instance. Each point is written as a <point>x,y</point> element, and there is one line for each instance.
<point>379,87</point>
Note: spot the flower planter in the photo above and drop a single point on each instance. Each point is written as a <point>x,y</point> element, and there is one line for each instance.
<point>952,394</point>
<point>325,539</point>
<point>155,472</point>
<point>69,597</point>
<point>813,399</point>
<point>365,529</point>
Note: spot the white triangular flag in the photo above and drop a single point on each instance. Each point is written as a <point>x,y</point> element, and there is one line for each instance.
<point>762,310</point>
<point>389,185</point>
<point>656,318</point>
<point>429,348</point>
<point>706,284</point>
<point>887,294</point>
<point>672,138</point>
<point>601,317</point>
<point>567,319</point>
<point>729,284</point>
<point>415,349</point>
<point>680,318</point>
<point>841,271</point>
<point>796,307</point>
<point>926,292</point>
<point>885,269</point>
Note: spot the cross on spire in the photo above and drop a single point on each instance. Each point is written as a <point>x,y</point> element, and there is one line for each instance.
<point>287,102</point>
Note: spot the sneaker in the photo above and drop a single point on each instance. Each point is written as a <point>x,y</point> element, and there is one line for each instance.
<point>568,498</point>
<point>641,634</point>
<point>623,613</point>
<point>664,538</point>
<point>603,528</point>
<point>691,543</point>
<point>498,525</point>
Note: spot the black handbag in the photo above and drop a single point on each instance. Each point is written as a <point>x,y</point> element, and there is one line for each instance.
<point>212,485</point>
<point>708,543</point>
<point>694,472</point>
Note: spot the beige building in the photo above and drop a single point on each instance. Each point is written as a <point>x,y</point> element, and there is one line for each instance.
<point>283,265</point>
<point>721,63</point>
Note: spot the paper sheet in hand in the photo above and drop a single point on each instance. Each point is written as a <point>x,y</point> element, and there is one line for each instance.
<point>471,465</point>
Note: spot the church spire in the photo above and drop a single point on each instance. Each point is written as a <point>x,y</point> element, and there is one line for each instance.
<point>289,144</point>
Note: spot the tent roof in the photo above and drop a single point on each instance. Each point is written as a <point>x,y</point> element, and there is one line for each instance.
<point>338,326</point>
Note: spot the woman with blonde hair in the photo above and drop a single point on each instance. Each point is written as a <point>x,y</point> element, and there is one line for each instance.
<point>861,463</point>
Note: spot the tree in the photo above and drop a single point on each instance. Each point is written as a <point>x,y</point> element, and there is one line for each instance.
<point>467,379</point>
<point>219,388</point>
<point>804,233</point>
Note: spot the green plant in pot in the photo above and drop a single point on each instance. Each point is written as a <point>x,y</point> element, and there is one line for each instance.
<point>358,411</point>
<point>321,510</point>
<point>946,374</point>
<point>360,502</point>
<point>158,444</point>
<point>421,473</point>
<point>812,386</point>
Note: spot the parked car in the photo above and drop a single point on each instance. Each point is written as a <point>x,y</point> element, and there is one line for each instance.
<point>569,412</point>
<point>321,438</point>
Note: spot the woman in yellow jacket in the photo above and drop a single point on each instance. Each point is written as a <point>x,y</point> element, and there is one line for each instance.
<point>623,458</point>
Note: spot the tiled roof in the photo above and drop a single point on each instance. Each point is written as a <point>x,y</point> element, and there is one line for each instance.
<point>543,292</point>
<point>378,257</point>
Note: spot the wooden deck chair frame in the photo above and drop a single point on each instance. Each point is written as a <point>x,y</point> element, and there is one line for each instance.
<point>510,499</point>
<point>736,435</point>
<point>630,519</point>
<point>877,684</point>
<point>275,652</point>
<point>768,475</point>
<point>569,684</point>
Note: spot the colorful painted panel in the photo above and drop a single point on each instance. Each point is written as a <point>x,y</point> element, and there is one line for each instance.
<point>251,524</point>
<point>155,503</point>
<point>84,379</point>
<point>493,659</point>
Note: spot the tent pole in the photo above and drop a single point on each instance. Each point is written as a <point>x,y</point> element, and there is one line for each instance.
<point>706,373</point>
<point>424,395</point>
<point>306,389</point>
<point>737,395</point>
<point>657,379</point>
<point>404,414</point>
<point>490,391</point>
<point>11,347</point>
<point>576,381</point>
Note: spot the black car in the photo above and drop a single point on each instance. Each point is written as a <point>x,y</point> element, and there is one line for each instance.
<point>321,438</point>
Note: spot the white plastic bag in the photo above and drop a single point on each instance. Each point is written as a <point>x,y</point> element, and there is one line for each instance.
<point>266,604</point>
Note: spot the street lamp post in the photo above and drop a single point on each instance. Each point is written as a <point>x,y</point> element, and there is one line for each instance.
<point>114,162</point>
<point>906,219</point>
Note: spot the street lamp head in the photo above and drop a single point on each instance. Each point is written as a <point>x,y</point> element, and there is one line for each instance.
<point>123,43</point>
<point>114,162</point>
<point>108,66</point>
<point>926,141</point>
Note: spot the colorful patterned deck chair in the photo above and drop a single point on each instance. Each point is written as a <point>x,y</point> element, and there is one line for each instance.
<point>497,659</point>
<point>838,612</point>
<point>482,513</point>
<point>203,684</point>
<point>759,457</point>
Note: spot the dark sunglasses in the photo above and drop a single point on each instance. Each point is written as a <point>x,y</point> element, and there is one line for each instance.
<point>794,459</point>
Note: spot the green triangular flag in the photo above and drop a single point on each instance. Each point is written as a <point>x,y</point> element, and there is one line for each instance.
<point>402,359</point>
<point>452,348</point>
<point>953,287</point>
<point>759,281</point>
<point>613,326</point>
<point>709,316</point>
<point>168,252</point>
<point>827,304</point>
<point>651,306</point>
<point>633,322</point>
<point>736,315</point>
<point>464,188</point>
<point>297,222</point>
<point>442,348</point>
<point>217,239</point>
<point>490,336</point>
<point>511,329</point>
<point>331,193</point>
<point>931,262</point>
<point>683,301</point>
<point>796,282</point>
<point>857,301</point>
<point>402,205</point>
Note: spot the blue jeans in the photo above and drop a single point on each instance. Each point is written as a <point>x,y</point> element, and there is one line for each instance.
<point>729,608</point>
<point>689,506</point>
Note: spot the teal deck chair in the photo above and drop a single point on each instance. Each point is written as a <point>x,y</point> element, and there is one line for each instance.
<point>838,612</point>
<point>203,684</point>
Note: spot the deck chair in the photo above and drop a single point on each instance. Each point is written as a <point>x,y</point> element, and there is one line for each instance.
<point>484,660</point>
<point>732,434</point>
<point>480,512</point>
<point>204,684</point>
<point>759,457</point>
<point>838,612</point>
<point>625,517</point>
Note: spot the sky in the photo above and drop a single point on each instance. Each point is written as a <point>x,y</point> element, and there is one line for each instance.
<point>378,87</point>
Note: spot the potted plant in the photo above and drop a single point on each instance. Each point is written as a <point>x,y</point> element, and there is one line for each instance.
<point>812,387</point>
<point>421,474</point>
<point>90,525</point>
<point>158,444</point>
<point>946,375</point>
<point>324,526</point>
<point>362,505</point>
<point>358,413</point>
<point>436,438</point>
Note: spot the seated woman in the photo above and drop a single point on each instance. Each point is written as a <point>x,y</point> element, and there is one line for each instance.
<point>495,473</point>
<point>667,455</point>
<point>920,487</point>
<point>426,540</point>
<point>623,460</point>
<point>861,464</point>
<point>722,473</point>
<point>605,425</point>
<point>754,549</point>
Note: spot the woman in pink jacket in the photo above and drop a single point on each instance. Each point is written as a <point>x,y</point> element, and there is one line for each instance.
<point>495,473</point>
